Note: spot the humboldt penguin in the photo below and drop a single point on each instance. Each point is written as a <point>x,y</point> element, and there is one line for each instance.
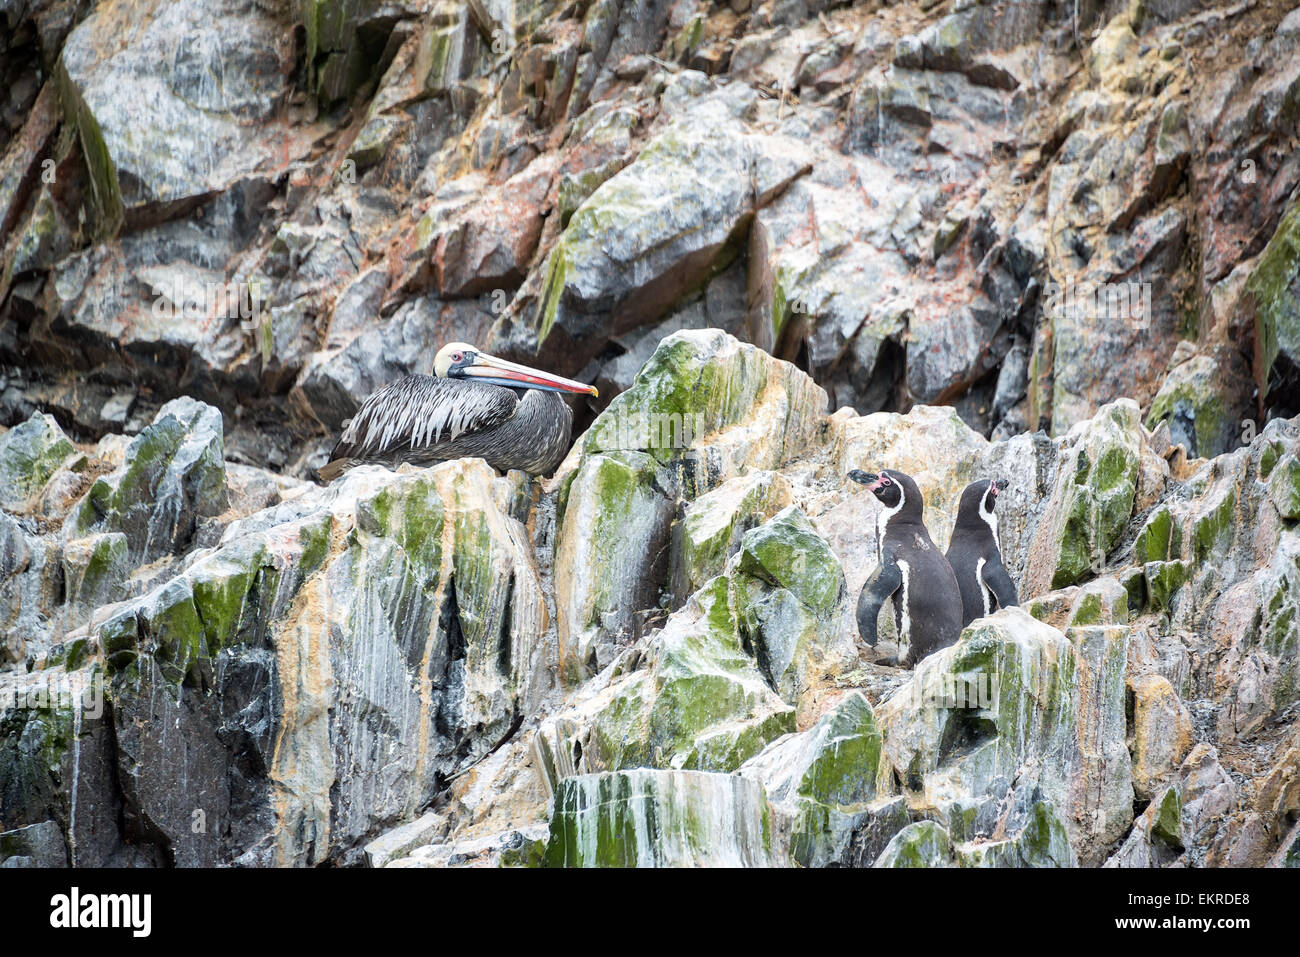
<point>975,553</point>
<point>910,569</point>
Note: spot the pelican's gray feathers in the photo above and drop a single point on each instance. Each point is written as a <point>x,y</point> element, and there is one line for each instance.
<point>423,420</point>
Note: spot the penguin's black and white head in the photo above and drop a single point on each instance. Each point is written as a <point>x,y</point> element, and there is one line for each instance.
<point>978,502</point>
<point>894,490</point>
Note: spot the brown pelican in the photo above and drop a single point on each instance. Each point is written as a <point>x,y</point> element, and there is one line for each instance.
<point>477,406</point>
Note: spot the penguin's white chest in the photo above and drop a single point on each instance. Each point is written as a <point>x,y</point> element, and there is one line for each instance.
<point>904,608</point>
<point>986,593</point>
<point>991,520</point>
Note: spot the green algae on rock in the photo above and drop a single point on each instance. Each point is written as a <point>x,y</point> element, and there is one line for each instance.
<point>616,515</point>
<point>1011,734</point>
<point>95,569</point>
<point>923,844</point>
<point>1095,491</point>
<point>620,486</point>
<point>1042,842</point>
<point>661,226</point>
<point>740,405</point>
<point>173,475</point>
<point>29,454</point>
<point>788,590</point>
<point>1192,400</point>
<point>826,786</point>
<point>1103,601</point>
<point>647,818</point>
<point>712,526</point>
<point>1273,285</point>
<point>697,702</point>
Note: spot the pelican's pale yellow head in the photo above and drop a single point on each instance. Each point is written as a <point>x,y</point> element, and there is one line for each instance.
<point>459,360</point>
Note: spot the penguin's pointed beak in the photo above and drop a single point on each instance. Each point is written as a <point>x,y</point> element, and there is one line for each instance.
<point>999,485</point>
<point>864,478</point>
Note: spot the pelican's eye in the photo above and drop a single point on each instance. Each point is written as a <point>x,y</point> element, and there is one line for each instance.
<point>457,356</point>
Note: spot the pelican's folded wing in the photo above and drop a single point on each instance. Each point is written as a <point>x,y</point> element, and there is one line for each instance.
<point>422,411</point>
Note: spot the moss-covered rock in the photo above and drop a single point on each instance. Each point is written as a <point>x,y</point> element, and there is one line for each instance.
<point>923,844</point>
<point>1092,501</point>
<point>1056,607</point>
<point>1011,715</point>
<point>29,454</point>
<point>94,570</point>
<point>105,192</point>
<point>344,41</point>
<point>368,641</point>
<point>44,240</point>
<point>231,597</point>
<point>1284,487</point>
<point>712,526</point>
<point>1103,601</point>
<point>740,408</point>
<point>704,408</point>
<point>1167,822</point>
<point>659,819</point>
<point>786,552</point>
<point>1274,285</point>
<point>1193,402</point>
<point>31,590</point>
<point>530,851</point>
<point>661,226</point>
<point>611,553</point>
<point>1215,525</point>
<point>173,475</point>
<point>376,139</point>
<point>1018,679</point>
<point>825,784</point>
<point>698,702</point>
<point>605,147</point>
<point>1042,842</point>
<point>1160,538</point>
<point>789,591</point>
<point>450,47</point>
<point>1163,580</point>
<point>53,757</point>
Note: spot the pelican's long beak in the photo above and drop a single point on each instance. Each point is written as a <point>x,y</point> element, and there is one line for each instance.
<point>500,372</point>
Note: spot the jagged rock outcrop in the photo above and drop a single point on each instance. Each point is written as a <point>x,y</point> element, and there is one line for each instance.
<point>1017,212</point>
<point>785,240</point>
<point>386,669</point>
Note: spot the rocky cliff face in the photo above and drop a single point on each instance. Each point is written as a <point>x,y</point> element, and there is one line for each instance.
<point>1057,244</point>
<point>649,658</point>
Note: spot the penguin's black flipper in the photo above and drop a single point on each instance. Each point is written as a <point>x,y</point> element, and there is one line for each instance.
<point>1000,583</point>
<point>884,581</point>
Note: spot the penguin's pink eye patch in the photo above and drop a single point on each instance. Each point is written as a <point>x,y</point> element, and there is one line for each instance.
<point>883,483</point>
